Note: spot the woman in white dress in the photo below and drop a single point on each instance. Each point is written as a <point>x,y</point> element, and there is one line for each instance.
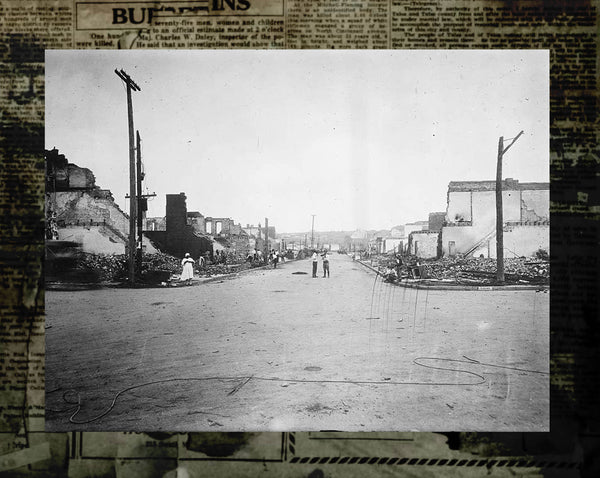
<point>188,268</point>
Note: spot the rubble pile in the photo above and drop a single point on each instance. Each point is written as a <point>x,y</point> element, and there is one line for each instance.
<point>220,269</point>
<point>114,267</point>
<point>162,262</point>
<point>483,270</point>
<point>106,267</point>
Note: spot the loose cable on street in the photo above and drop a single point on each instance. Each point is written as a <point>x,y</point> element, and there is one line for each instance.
<point>76,404</point>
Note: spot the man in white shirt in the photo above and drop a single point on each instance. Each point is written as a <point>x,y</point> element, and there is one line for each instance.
<point>325,264</point>
<point>315,262</point>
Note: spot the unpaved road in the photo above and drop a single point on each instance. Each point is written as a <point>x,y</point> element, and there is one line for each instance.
<point>279,350</point>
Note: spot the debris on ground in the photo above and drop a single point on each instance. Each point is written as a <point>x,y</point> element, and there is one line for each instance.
<point>516,270</point>
<point>107,267</point>
<point>114,268</point>
<point>471,270</point>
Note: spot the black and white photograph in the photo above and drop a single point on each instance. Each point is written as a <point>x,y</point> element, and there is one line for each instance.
<point>297,240</point>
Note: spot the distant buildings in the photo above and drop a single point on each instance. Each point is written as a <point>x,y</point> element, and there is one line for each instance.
<point>468,226</point>
<point>359,240</point>
<point>424,242</point>
<point>179,234</point>
<point>182,231</point>
<point>395,240</point>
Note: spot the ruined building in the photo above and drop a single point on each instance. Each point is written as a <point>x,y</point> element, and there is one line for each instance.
<point>470,225</point>
<point>395,241</point>
<point>178,236</point>
<point>426,243</point>
<point>180,231</point>
<point>77,210</point>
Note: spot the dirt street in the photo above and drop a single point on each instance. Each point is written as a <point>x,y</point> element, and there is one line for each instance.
<point>280,350</point>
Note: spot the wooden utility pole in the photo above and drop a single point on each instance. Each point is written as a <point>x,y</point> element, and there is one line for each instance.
<point>499,214</point>
<point>139,176</point>
<point>312,232</point>
<point>267,236</point>
<point>132,182</point>
<point>141,200</point>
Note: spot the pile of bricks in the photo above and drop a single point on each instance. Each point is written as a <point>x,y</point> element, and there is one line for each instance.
<point>220,269</point>
<point>114,267</point>
<point>483,270</point>
<point>105,267</point>
<point>160,261</point>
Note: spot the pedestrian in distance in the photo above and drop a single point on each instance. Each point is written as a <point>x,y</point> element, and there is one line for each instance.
<point>315,263</point>
<point>398,265</point>
<point>275,258</point>
<point>325,257</point>
<point>188,268</point>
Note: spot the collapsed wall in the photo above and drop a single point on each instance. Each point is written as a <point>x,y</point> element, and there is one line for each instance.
<point>470,226</point>
<point>80,211</point>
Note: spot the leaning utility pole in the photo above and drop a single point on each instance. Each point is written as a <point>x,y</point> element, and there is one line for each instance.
<point>312,232</point>
<point>499,216</point>
<point>132,183</point>
<point>142,203</point>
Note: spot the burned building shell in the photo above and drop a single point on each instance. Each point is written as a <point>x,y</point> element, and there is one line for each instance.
<point>470,223</point>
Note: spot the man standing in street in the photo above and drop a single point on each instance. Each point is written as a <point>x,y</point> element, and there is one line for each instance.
<point>325,264</point>
<point>315,262</point>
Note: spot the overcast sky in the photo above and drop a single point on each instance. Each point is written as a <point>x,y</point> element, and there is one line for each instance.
<point>361,139</point>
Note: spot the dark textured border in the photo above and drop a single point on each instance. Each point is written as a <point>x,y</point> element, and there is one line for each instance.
<point>574,233</point>
<point>448,462</point>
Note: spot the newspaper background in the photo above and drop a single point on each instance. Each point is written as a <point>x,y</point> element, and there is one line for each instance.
<point>569,29</point>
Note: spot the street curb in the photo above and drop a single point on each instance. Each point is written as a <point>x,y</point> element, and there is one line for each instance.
<point>232,274</point>
<point>420,285</point>
<point>77,286</point>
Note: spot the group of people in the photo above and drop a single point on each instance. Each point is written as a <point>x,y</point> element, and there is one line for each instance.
<point>272,258</point>
<point>220,257</point>
<point>255,256</point>
<point>398,269</point>
<point>275,257</point>
<point>187,263</point>
<point>324,260</point>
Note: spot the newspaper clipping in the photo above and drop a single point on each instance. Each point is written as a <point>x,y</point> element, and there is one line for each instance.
<point>567,30</point>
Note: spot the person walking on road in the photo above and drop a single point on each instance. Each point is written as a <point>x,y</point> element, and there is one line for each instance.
<point>315,263</point>
<point>325,264</point>
<point>188,268</point>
